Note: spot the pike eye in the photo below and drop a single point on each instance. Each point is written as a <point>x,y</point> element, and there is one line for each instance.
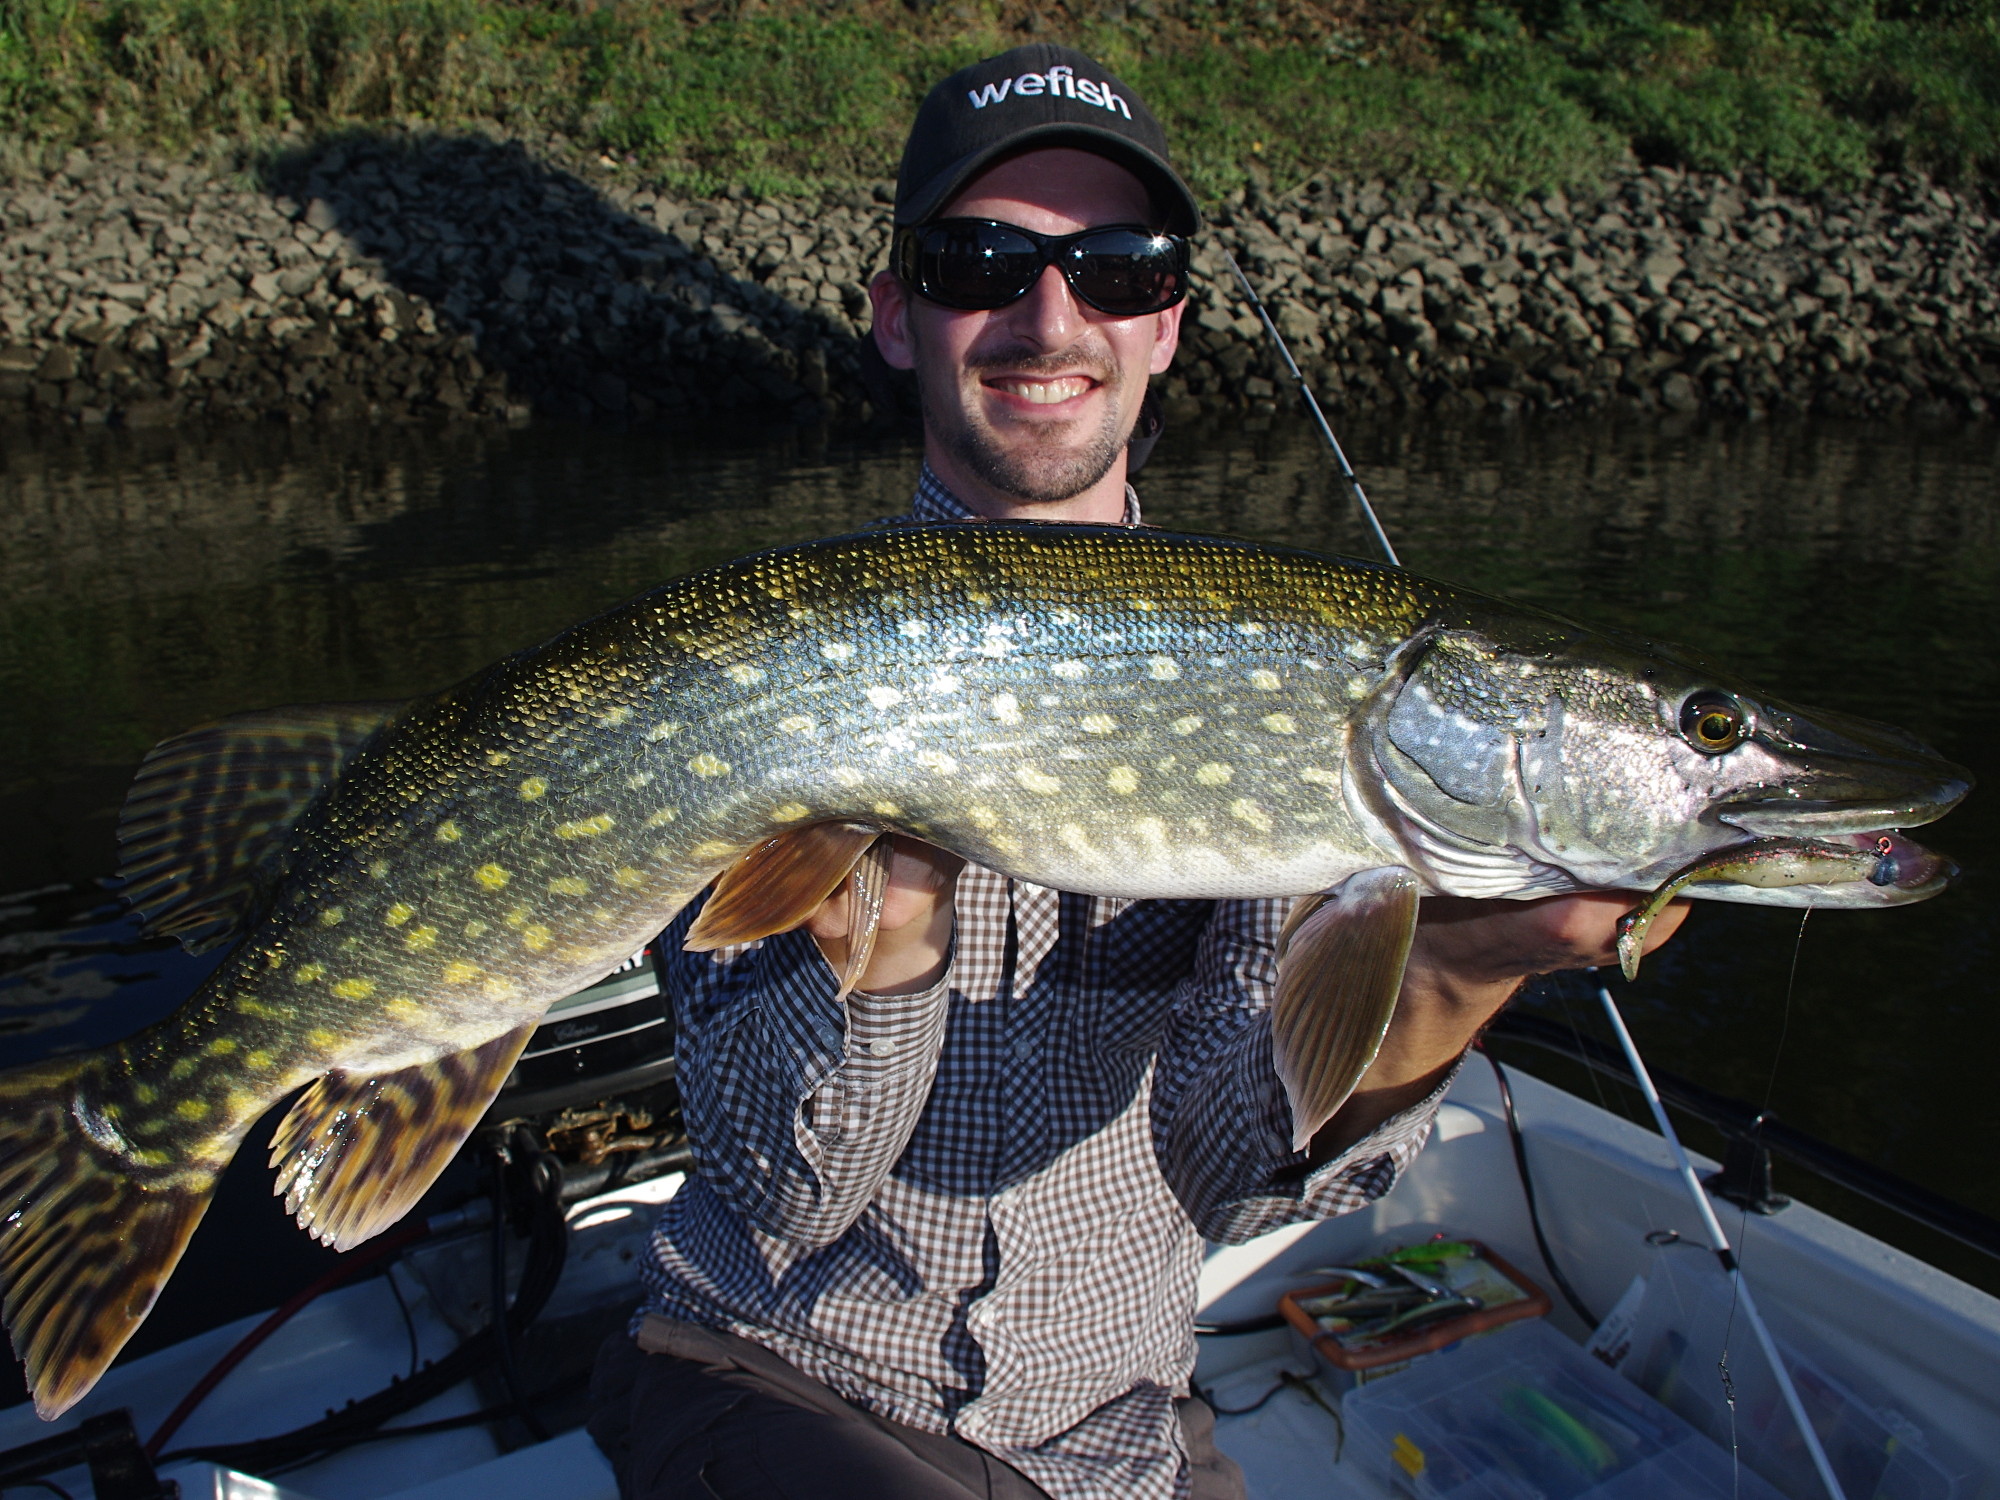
<point>1714,722</point>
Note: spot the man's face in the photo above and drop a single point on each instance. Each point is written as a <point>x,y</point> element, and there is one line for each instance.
<point>1032,401</point>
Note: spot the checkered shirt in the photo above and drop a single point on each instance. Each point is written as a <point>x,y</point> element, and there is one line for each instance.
<point>980,1209</point>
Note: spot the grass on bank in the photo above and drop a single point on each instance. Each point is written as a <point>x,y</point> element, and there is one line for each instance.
<point>781,95</point>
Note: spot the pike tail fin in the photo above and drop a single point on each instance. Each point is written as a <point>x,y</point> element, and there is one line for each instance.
<point>87,1236</point>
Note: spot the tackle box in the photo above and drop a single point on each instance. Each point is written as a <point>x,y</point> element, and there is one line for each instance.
<point>1523,1414</point>
<point>1465,1267</point>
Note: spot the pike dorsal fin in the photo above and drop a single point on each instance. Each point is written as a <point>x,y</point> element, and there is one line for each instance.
<point>206,818</point>
<point>778,884</point>
<point>1340,969</point>
<point>356,1153</point>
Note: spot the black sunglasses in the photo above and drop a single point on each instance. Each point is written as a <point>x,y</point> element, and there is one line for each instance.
<point>975,265</point>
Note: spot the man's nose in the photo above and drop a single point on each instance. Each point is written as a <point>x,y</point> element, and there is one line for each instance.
<point>1048,315</point>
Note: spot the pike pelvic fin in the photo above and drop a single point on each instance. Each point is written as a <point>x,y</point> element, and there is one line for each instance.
<point>1340,968</point>
<point>86,1239</point>
<point>355,1153</point>
<point>778,884</point>
<point>203,827</point>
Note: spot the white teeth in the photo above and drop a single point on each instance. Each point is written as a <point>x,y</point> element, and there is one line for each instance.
<point>1045,392</point>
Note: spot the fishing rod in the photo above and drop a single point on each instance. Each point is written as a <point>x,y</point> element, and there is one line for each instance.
<point>1318,416</point>
<point>1731,1267</point>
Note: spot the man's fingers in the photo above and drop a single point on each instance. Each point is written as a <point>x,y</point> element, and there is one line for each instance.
<point>1493,940</point>
<point>921,876</point>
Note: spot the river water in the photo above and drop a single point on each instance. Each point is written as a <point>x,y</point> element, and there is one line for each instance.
<point>151,580</point>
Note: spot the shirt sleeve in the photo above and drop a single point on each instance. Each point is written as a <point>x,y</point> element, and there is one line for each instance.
<point>797,1105</point>
<point>1221,1122</point>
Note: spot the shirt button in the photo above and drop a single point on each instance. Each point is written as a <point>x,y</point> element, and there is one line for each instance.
<point>883,1046</point>
<point>1023,1048</point>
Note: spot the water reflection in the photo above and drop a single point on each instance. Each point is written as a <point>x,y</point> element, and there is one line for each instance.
<point>150,580</point>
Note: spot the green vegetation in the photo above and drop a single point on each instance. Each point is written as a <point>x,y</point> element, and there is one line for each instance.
<point>1508,95</point>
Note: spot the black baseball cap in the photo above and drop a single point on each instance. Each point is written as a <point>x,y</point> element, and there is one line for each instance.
<point>1037,95</point>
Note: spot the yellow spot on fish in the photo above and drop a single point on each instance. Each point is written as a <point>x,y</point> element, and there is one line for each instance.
<point>714,849</point>
<point>533,788</point>
<point>497,757</point>
<point>743,674</point>
<point>518,917</point>
<point>983,817</point>
<point>1246,811</point>
<point>377,868</point>
<point>421,939</point>
<point>1281,724</point>
<point>493,877</point>
<point>569,885</point>
<point>354,989</point>
<point>497,988</point>
<point>665,729</point>
<point>1099,724</point>
<point>1147,605</point>
<point>309,973</point>
<point>321,1038</point>
<point>402,1008</point>
<point>145,1093</point>
<point>1213,773</point>
<point>398,914</point>
<point>1163,669</point>
<point>938,761</point>
<point>884,697</point>
<point>1006,708</point>
<point>1319,776</point>
<point>332,917</point>
<point>628,877</point>
<point>613,717</point>
<point>1070,671</point>
<point>192,1109</point>
<point>1265,680</point>
<point>183,1068</point>
<point>975,596</point>
<point>585,828</point>
<point>536,937</point>
<point>458,971</point>
<point>914,629</point>
<point>707,765</point>
<point>846,775</point>
<point>888,810</point>
<point>222,1046</point>
<point>258,1010</point>
<point>1123,780</point>
<point>1250,627</point>
<point>836,650</point>
<point>790,812</point>
<point>1037,781</point>
<point>259,1059</point>
<point>1150,831</point>
<point>275,959</point>
<point>795,724</point>
<point>1073,836</point>
<point>474,928</point>
<point>633,783</point>
<point>661,818</point>
<point>1187,724</point>
<point>448,832</point>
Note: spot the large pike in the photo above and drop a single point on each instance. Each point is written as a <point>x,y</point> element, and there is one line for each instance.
<point>1123,712</point>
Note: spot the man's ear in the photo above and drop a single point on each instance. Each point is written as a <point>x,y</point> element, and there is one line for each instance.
<point>1166,338</point>
<point>891,302</point>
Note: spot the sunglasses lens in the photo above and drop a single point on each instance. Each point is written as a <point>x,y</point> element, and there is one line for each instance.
<point>975,266</point>
<point>1124,272</point>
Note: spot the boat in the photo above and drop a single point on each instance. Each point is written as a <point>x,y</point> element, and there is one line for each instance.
<point>391,1379</point>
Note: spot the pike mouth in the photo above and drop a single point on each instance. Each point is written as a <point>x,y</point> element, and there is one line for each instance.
<point>1822,817</point>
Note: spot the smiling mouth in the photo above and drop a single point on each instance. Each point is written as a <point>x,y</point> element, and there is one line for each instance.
<point>1042,390</point>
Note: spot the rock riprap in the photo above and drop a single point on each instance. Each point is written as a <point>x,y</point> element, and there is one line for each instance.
<point>414,276</point>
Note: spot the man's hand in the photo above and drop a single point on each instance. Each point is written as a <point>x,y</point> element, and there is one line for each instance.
<point>1468,959</point>
<point>914,941</point>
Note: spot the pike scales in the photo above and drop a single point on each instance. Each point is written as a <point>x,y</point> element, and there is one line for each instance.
<point>1120,712</point>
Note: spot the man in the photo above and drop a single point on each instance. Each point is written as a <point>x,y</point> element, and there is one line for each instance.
<point>943,1236</point>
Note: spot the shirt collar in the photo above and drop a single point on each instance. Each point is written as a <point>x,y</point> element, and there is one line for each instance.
<point>934,501</point>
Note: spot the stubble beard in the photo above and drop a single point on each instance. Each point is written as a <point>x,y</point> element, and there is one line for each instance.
<point>1040,466</point>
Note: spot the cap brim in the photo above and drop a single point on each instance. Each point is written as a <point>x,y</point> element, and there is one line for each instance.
<point>1170,194</point>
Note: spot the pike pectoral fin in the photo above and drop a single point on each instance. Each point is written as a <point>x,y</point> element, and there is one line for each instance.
<point>86,1243</point>
<point>208,812</point>
<point>356,1153</point>
<point>779,884</point>
<point>867,884</point>
<point>1340,968</point>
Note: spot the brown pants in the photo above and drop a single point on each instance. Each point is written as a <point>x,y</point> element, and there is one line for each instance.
<point>688,1413</point>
